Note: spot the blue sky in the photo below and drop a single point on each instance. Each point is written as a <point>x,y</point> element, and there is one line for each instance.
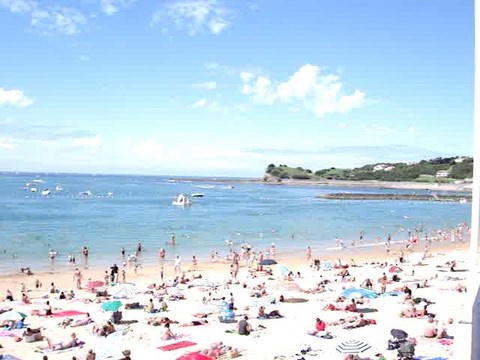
<point>204,87</point>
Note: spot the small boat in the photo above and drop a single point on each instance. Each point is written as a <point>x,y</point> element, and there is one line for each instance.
<point>196,195</point>
<point>58,188</point>
<point>181,200</point>
<point>463,201</point>
<point>85,193</point>
<point>46,192</point>
<point>33,189</point>
<point>110,194</point>
<point>38,181</point>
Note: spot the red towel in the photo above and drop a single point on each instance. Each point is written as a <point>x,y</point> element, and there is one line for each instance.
<point>177,345</point>
<point>68,313</point>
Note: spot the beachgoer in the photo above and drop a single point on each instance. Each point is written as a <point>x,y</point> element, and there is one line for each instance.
<point>91,355</point>
<point>177,264</point>
<point>309,253</point>
<point>430,330</point>
<point>168,334</point>
<point>77,277</point>
<point>243,327</point>
<point>126,355</point>
<point>73,342</point>
<point>320,327</point>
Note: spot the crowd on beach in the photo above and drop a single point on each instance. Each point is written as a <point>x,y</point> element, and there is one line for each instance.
<point>237,294</point>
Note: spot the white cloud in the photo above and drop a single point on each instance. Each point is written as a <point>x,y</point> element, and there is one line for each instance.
<point>14,98</point>
<point>246,76</point>
<point>64,20</point>
<point>199,103</point>
<point>84,58</point>
<point>208,85</point>
<point>7,144</point>
<point>110,7</point>
<point>87,142</point>
<point>195,16</point>
<point>318,92</point>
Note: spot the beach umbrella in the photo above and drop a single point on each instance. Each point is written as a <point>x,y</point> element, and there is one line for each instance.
<point>94,284</point>
<point>194,356</point>
<point>353,347</point>
<point>356,293</point>
<point>398,334</point>
<point>395,269</point>
<point>111,305</point>
<point>12,315</point>
<point>267,262</point>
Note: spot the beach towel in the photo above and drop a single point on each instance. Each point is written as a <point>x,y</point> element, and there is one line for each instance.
<point>295,300</point>
<point>177,345</point>
<point>8,357</point>
<point>429,358</point>
<point>68,313</point>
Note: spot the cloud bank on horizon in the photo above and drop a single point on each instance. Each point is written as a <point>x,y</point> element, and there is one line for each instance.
<point>216,87</point>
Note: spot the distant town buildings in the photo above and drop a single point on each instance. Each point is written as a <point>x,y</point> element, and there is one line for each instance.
<point>383,167</point>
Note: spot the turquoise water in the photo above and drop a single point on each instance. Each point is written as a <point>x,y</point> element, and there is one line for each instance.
<point>140,210</point>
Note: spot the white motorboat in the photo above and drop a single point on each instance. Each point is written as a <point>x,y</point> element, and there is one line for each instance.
<point>196,195</point>
<point>58,188</point>
<point>33,189</point>
<point>46,192</point>
<point>85,193</point>
<point>181,200</point>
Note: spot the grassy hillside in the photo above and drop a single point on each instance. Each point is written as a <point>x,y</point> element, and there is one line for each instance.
<point>433,170</point>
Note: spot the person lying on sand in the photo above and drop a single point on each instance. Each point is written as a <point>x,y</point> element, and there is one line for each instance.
<point>160,320</point>
<point>274,314</point>
<point>104,330</point>
<point>82,322</point>
<point>195,323</point>
<point>73,342</point>
<point>32,335</point>
<point>359,322</point>
<point>352,307</point>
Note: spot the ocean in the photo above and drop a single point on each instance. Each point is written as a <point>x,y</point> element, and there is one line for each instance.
<point>139,209</point>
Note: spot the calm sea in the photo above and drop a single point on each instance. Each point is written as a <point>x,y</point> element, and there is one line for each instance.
<point>140,209</point>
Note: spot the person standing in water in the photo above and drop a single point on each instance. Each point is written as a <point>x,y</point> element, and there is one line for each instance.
<point>122,252</point>
<point>139,247</point>
<point>173,240</point>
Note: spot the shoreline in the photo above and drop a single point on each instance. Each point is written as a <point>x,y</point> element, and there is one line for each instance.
<point>401,185</point>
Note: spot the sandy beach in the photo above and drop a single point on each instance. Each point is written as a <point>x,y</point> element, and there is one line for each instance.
<point>317,289</point>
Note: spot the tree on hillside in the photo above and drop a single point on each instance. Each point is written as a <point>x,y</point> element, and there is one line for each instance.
<point>270,168</point>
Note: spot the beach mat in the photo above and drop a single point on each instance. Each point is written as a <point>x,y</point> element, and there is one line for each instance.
<point>295,300</point>
<point>177,345</point>
<point>68,313</point>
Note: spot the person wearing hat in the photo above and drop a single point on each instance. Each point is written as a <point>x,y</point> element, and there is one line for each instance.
<point>126,355</point>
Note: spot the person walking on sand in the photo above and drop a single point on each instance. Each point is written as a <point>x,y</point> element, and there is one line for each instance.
<point>177,264</point>
<point>161,274</point>
<point>77,277</point>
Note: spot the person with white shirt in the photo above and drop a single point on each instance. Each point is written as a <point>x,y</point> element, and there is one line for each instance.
<point>177,264</point>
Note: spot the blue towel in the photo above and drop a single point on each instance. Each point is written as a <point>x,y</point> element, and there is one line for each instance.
<point>429,358</point>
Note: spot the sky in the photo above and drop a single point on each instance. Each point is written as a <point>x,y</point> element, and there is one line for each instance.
<point>226,87</point>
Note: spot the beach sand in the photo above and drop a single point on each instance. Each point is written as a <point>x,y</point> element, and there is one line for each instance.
<point>286,336</point>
